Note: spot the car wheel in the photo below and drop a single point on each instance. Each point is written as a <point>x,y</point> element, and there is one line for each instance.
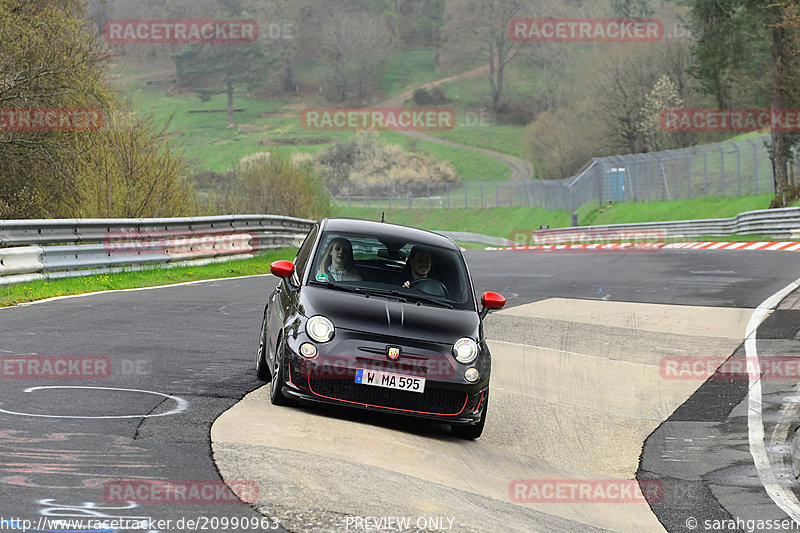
<point>471,432</point>
<point>279,376</point>
<point>262,369</point>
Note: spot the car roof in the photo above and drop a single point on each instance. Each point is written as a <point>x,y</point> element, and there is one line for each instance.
<point>386,230</point>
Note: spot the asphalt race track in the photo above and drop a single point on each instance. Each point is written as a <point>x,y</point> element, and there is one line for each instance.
<point>578,393</point>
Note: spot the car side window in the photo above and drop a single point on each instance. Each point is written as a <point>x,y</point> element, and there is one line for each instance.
<point>304,253</point>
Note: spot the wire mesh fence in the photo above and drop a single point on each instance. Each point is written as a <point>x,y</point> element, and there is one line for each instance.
<point>732,169</point>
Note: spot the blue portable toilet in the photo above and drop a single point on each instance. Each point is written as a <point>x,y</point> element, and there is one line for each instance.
<point>615,184</point>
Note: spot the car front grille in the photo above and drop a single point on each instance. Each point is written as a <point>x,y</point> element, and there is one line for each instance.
<point>433,401</point>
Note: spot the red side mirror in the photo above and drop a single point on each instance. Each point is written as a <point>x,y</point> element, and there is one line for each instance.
<point>283,269</point>
<point>492,300</point>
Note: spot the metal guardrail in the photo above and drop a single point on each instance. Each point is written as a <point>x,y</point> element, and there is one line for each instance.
<point>477,237</point>
<point>50,249</point>
<point>772,223</point>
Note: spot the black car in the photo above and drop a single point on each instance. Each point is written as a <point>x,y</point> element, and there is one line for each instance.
<point>382,317</point>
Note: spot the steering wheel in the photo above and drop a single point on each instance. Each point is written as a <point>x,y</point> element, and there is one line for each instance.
<point>431,286</point>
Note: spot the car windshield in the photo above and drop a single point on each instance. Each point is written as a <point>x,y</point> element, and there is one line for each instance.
<point>406,271</point>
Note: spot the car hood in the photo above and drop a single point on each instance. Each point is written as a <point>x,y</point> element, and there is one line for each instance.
<point>383,316</point>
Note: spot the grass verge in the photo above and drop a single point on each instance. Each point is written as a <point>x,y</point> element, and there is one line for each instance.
<point>41,289</point>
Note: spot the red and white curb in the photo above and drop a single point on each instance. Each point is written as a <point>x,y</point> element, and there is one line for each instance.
<point>763,246</point>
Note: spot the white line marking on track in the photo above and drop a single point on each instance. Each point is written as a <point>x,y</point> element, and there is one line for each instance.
<point>781,494</point>
<point>181,406</point>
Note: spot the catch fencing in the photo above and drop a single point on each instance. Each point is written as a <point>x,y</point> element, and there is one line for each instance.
<point>727,169</point>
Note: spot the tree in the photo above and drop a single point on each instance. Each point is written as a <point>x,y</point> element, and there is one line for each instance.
<point>356,43</point>
<point>622,78</point>
<point>50,59</point>
<point>632,8</point>
<point>737,42</point>
<point>216,68</point>
<point>480,28</point>
<point>664,95</point>
<point>270,183</point>
<point>134,172</point>
<point>420,22</point>
<point>562,140</point>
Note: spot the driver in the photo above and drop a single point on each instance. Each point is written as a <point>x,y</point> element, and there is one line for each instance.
<point>417,267</point>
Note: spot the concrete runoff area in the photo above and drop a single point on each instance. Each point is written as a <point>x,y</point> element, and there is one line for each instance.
<point>576,389</point>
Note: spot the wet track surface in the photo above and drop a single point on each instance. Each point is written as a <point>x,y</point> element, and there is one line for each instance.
<point>187,353</point>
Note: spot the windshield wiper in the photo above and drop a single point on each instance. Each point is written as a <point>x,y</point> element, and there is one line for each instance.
<point>428,300</point>
<point>382,292</point>
<point>335,286</point>
<point>360,290</point>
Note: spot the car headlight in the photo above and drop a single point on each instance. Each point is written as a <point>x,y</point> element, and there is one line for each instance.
<point>465,350</point>
<point>319,328</point>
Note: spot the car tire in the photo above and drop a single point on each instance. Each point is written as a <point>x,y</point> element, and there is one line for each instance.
<point>276,396</point>
<point>262,369</point>
<point>471,431</point>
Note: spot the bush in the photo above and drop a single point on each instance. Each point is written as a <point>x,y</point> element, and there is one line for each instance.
<point>134,171</point>
<point>362,163</point>
<point>435,96</point>
<point>269,183</point>
<point>517,113</point>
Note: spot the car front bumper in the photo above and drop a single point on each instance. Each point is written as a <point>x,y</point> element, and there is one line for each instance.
<point>330,378</point>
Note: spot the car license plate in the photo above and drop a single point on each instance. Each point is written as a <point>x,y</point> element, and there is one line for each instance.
<point>388,380</point>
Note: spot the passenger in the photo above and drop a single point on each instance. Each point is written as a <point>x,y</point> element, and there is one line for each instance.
<point>418,266</point>
<point>337,262</point>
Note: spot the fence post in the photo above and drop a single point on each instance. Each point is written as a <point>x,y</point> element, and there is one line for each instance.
<point>600,181</point>
<point>429,195</point>
<point>738,168</point>
<point>722,169</point>
<point>466,198</point>
<point>755,166</point>
<point>482,204</point>
<point>408,190</point>
<point>705,166</point>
